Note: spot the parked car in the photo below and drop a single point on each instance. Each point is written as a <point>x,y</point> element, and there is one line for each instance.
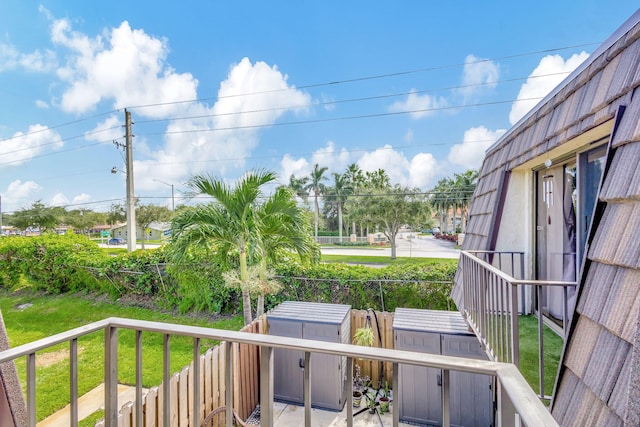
<point>116,241</point>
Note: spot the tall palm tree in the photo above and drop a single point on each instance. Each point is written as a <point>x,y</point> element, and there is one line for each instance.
<point>316,185</point>
<point>338,195</point>
<point>237,223</point>
<point>465,184</point>
<point>356,179</point>
<point>298,186</point>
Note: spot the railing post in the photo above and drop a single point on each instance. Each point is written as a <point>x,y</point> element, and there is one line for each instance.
<point>540,341</point>
<point>266,387</point>
<point>111,377</point>
<point>515,330</point>
<point>349,392</point>
<point>196,381</point>
<point>138,405</point>
<point>446,410</point>
<point>73,382</point>
<point>228,380</point>
<point>395,386</point>
<point>31,389</point>
<point>166,379</point>
<point>307,389</point>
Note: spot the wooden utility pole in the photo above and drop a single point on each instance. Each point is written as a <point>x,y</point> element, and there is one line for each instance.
<point>131,202</point>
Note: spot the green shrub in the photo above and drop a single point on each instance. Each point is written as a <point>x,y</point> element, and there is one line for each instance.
<point>50,262</point>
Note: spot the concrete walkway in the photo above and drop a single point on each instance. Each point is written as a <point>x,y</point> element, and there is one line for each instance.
<point>88,404</point>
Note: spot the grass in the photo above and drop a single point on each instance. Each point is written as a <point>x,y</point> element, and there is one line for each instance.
<point>366,259</point>
<point>54,314</point>
<point>553,344</point>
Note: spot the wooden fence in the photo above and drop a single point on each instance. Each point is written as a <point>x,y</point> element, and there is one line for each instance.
<point>212,387</point>
<point>384,339</point>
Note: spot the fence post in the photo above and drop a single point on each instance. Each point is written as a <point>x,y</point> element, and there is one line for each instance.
<point>266,387</point>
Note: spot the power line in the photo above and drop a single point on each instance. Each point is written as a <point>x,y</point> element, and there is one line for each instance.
<point>368,98</point>
<point>334,119</point>
<point>365,78</point>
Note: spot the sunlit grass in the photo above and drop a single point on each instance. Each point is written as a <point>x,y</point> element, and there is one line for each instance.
<point>50,315</point>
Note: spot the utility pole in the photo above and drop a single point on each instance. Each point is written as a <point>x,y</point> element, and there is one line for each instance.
<point>131,203</point>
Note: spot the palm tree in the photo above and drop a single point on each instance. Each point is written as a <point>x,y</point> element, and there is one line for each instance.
<point>298,186</point>
<point>465,185</point>
<point>317,187</point>
<point>338,195</point>
<point>238,223</point>
<point>355,176</point>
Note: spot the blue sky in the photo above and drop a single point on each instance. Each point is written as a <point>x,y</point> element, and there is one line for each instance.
<point>418,88</point>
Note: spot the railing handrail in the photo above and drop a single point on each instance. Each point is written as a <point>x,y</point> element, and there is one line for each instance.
<point>494,270</point>
<point>524,400</point>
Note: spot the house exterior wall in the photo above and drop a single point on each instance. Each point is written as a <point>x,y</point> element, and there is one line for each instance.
<point>601,359</point>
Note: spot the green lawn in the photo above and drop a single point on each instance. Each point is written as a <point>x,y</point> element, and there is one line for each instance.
<point>53,314</point>
<point>553,344</point>
<point>375,259</point>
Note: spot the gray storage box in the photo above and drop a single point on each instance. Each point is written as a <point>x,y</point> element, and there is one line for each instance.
<point>420,394</point>
<point>314,321</point>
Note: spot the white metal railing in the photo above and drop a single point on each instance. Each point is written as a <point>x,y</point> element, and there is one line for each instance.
<point>492,297</point>
<point>328,240</point>
<point>516,404</point>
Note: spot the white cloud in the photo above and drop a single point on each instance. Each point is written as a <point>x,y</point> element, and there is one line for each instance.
<point>23,146</point>
<point>477,74</point>
<point>36,61</point>
<point>470,153</point>
<point>59,199</point>
<point>81,198</point>
<point>110,128</point>
<point>418,171</point>
<point>19,194</point>
<point>124,65</point>
<point>42,104</point>
<point>422,170</point>
<point>539,87</point>
<point>420,105</point>
<point>229,132</point>
<point>336,160</point>
<point>290,166</point>
<point>329,156</point>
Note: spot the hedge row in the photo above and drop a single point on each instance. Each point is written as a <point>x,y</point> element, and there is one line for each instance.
<point>57,264</point>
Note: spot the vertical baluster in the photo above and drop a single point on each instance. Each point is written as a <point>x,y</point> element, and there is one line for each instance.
<point>396,395</point>
<point>196,381</point>
<point>307,389</point>
<point>166,379</point>
<point>446,410</point>
<point>349,391</point>
<point>266,387</point>
<point>73,381</point>
<point>31,389</point>
<point>111,377</point>
<point>540,341</point>
<point>228,380</point>
<point>138,405</point>
<point>515,330</point>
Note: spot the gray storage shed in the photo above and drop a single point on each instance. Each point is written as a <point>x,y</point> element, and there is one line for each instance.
<point>314,321</point>
<point>420,389</point>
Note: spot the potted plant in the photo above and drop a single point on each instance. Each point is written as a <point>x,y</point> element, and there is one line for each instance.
<point>360,383</point>
<point>370,397</point>
<point>384,399</point>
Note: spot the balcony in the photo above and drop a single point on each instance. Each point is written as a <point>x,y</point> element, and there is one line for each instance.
<point>516,404</point>
<point>492,299</point>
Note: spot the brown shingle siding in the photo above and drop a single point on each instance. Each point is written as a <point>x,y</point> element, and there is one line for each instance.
<point>605,364</point>
<point>586,336</point>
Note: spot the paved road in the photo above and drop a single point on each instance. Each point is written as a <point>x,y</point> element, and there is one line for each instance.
<point>418,247</point>
<point>422,247</point>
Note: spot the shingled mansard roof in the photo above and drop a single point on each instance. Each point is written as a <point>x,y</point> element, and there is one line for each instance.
<point>599,378</point>
<point>13,410</point>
